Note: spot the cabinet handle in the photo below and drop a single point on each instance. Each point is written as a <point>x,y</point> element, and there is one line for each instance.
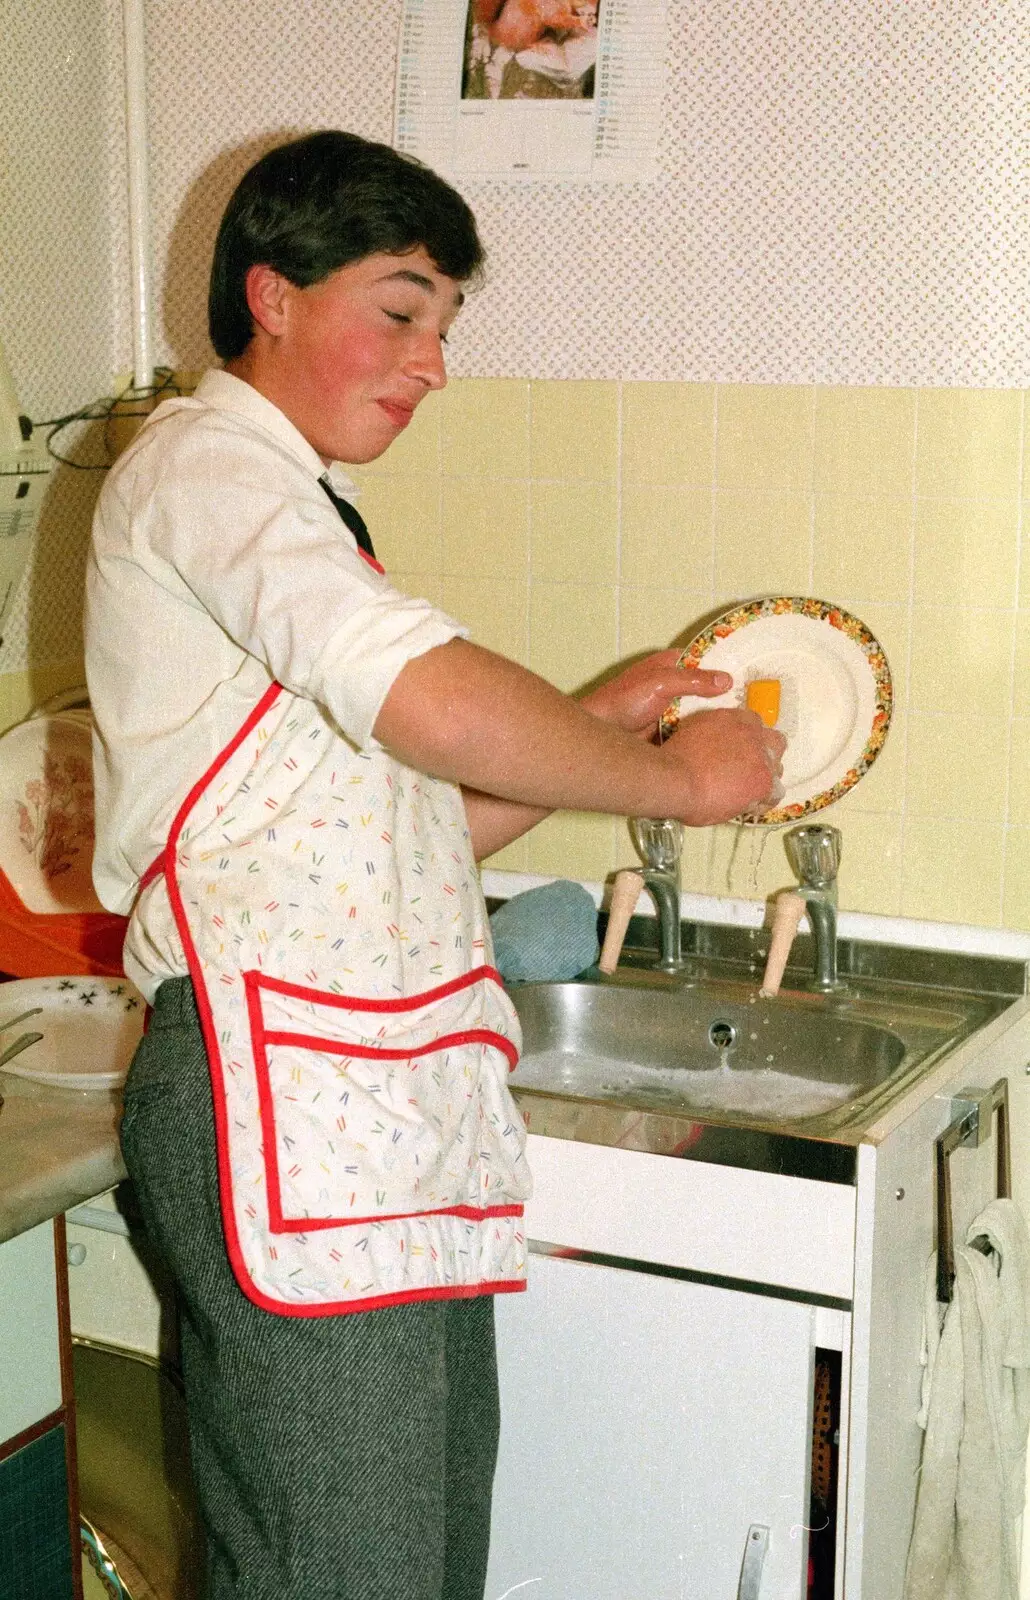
<point>750,1585</point>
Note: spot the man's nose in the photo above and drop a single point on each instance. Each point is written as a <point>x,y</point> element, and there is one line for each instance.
<point>427,362</point>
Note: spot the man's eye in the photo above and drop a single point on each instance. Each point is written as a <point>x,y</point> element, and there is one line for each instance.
<point>397,316</point>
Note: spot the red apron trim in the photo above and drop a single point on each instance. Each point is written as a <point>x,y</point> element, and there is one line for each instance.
<point>445,1041</point>
<point>155,869</point>
<point>280,1224</point>
<point>378,1302</point>
<point>350,1002</point>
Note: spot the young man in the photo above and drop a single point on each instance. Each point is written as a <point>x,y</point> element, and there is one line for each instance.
<point>296,768</point>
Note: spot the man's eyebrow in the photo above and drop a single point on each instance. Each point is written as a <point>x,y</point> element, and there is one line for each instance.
<point>420,281</point>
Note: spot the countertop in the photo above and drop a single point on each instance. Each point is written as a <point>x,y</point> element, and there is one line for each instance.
<point>58,1147</point>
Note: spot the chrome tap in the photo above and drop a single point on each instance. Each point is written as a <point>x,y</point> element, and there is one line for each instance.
<point>659,844</point>
<point>814,854</point>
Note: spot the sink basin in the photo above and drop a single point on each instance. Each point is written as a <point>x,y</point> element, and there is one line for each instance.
<point>701,1048</point>
<point>712,1049</point>
<point>698,1065</point>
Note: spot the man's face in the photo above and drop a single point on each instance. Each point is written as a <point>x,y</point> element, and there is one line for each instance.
<point>349,359</point>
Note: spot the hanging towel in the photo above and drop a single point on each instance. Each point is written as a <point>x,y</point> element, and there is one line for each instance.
<point>975,1410</point>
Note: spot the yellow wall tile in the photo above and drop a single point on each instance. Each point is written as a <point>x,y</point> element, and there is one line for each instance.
<point>961,661</point>
<point>871,855</point>
<point>573,844</point>
<point>403,516</point>
<point>764,437</point>
<point>747,862</point>
<point>966,552</point>
<point>1021,686</point>
<point>485,427</point>
<point>574,430</point>
<point>1016,908</point>
<point>1019,773</point>
<point>667,536</point>
<point>601,559</point>
<point>968,442</point>
<point>862,547</point>
<point>485,527</point>
<point>572,632</point>
<point>762,544</point>
<point>882,788</point>
<point>574,531</point>
<point>865,441</point>
<point>668,433</point>
<point>957,766</point>
<point>513,858</point>
<point>695,860</point>
<point>952,870</point>
<point>495,610</point>
<point>427,586</point>
<point>658,619</point>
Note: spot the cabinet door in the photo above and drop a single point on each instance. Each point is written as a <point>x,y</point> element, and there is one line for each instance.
<point>647,1423</point>
<point>30,1360</point>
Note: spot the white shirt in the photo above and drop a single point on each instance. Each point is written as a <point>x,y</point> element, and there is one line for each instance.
<point>218,565</point>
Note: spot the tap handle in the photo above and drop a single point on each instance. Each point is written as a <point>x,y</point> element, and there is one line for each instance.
<point>659,842</point>
<point>814,851</point>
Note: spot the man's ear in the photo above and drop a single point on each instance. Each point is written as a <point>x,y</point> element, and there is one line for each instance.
<point>267,292</point>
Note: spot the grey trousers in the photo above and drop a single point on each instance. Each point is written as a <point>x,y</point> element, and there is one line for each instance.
<point>335,1458</point>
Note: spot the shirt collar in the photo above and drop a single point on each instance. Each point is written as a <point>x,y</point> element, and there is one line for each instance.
<point>225,392</point>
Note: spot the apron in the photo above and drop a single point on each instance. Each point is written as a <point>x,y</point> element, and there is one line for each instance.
<point>359,1040</point>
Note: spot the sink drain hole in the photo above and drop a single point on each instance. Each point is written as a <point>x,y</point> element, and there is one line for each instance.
<point>722,1035</point>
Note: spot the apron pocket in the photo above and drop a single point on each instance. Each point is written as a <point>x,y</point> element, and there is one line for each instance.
<point>375,1109</point>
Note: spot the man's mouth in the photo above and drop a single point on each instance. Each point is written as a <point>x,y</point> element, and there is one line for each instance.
<point>399,413</point>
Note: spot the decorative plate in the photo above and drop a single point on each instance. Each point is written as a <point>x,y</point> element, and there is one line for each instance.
<point>46,812</point>
<point>836,695</point>
<point>90,1028</point>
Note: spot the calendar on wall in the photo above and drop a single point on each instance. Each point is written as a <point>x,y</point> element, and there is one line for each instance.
<point>532,88</point>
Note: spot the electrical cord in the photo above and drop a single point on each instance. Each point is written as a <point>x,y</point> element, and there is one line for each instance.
<point>108,408</point>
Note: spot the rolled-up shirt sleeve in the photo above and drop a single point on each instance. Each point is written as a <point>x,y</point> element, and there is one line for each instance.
<point>277,570</point>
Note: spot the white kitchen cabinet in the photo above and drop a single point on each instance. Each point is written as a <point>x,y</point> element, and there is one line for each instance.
<point>653,1431</point>
<point>656,1378</point>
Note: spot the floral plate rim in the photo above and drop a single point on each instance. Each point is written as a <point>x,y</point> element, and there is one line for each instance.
<point>836,616</point>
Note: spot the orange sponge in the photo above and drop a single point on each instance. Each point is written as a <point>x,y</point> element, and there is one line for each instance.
<point>763,696</point>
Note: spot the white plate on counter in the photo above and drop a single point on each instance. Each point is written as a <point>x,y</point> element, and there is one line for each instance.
<point>836,695</point>
<point>46,812</point>
<point>90,1028</point>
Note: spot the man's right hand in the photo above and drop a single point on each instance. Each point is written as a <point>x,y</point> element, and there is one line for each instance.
<point>731,763</point>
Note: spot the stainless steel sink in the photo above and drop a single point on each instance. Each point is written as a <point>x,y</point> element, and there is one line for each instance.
<point>698,1047</point>
<point>712,1048</point>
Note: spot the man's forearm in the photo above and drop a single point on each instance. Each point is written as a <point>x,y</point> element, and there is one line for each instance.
<point>465,714</point>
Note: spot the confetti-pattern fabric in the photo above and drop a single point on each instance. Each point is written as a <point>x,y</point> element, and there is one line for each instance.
<point>358,1035</point>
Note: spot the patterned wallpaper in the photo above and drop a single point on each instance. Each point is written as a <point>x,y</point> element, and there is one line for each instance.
<point>56,301</point>
<point>845,191</point>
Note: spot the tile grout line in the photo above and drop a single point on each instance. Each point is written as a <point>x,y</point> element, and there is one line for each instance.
<point>909,637</point>
<point>1007,824</point>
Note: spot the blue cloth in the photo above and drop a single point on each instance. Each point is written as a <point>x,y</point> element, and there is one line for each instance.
<point>547,934</point>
